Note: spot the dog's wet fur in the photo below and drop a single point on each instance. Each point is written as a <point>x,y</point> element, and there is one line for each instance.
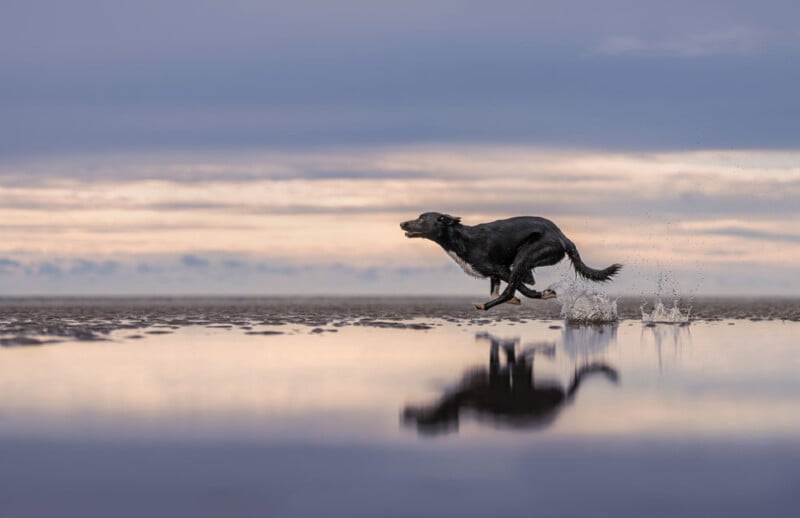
<point>504,250</point>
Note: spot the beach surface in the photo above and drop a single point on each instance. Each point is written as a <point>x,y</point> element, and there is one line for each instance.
<point>395,407</point>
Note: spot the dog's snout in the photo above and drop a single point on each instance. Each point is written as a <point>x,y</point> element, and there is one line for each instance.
<point>404,225</point>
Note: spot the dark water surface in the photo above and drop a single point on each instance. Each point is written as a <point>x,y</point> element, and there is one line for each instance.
<point>395,407</point>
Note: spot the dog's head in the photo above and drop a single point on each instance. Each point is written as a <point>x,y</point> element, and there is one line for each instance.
<point>430,225</point>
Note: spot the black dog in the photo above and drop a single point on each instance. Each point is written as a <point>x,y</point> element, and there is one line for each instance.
<point>504,250</point>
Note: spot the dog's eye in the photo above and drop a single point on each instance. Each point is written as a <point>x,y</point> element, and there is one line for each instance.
<point>441,219</point>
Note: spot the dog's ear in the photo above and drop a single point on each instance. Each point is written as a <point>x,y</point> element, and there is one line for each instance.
<point>448,220</point>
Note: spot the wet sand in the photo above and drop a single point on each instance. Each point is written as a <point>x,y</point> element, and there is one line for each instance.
<point>23,321</point>
<point>394,407</point>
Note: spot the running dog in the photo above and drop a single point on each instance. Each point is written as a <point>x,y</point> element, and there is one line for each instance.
<point>505,250</point>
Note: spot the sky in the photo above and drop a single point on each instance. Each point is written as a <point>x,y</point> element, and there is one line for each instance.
<point>263,148</point>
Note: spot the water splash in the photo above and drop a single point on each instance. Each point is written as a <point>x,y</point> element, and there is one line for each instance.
<point>663,315</point>
<point>587,307</point>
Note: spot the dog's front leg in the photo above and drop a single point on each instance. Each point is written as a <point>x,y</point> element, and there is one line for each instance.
<point>494,291</point>
<point>504,297</point>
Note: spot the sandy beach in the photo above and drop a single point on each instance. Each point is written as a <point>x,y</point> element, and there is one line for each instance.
<point>394,407</point>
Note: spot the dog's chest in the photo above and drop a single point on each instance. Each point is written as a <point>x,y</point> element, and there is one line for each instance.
<point>468,269</point>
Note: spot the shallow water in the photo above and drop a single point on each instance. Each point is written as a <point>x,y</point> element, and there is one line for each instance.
<point>394,407</point>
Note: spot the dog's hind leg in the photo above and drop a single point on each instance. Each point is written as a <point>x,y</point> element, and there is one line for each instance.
<point>504,297</point>
<point>533,294</point>
<point>528,256</point>
<point>507,294</point>
<point>545,257</point>
<point>529,292</point>
<point>494,291</point>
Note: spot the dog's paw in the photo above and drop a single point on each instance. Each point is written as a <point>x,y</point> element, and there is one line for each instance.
<point>480,306</point>
<point>515,301</point>
<point>548,294</point>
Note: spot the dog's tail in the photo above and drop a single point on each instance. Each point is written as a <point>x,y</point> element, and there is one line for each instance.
<point>587,272</point>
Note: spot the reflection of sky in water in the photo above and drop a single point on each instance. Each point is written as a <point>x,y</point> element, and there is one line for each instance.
<point>710,380</point>
<point>666,339</point>
<point>211,422</point>
<point>582,341</point>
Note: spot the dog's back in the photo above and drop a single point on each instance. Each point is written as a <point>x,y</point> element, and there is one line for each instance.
<point>502,238</point>
<point>520,228</point>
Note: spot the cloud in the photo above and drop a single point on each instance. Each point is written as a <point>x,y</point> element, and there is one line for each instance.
<point>365,73</point>
<point>253,141</point>
<point>748,233</point>
<point>86,267</point>
<point>285,269</point>
<point>728,41</point>
<point>193,261</point>
<point>8,265</point>
<point>145,269</point>
<point>665,208</point>
<point>49,269</point>
<point>487,179</point>
<point>233,264</point>
<point>432,274</point>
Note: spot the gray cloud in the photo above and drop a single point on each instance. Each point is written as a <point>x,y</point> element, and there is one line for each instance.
<point>268,75</point>
<point>165,275</point>
<point>410,271</point>
<point>5,262</point>
<point>145,268</point>
<point>730,40</point>
<point>283,269</point>
<point>49,269</point>
<point>8,265</point>
<point>233,264</point>
<point>86,267</point>
<point>225,274</point>
<point>193,261</point>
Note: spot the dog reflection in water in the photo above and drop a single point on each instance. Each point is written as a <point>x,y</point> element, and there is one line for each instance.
<point>507,395</point>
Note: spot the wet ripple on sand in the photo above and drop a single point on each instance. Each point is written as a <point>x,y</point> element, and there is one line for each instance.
<point>35,321</point>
